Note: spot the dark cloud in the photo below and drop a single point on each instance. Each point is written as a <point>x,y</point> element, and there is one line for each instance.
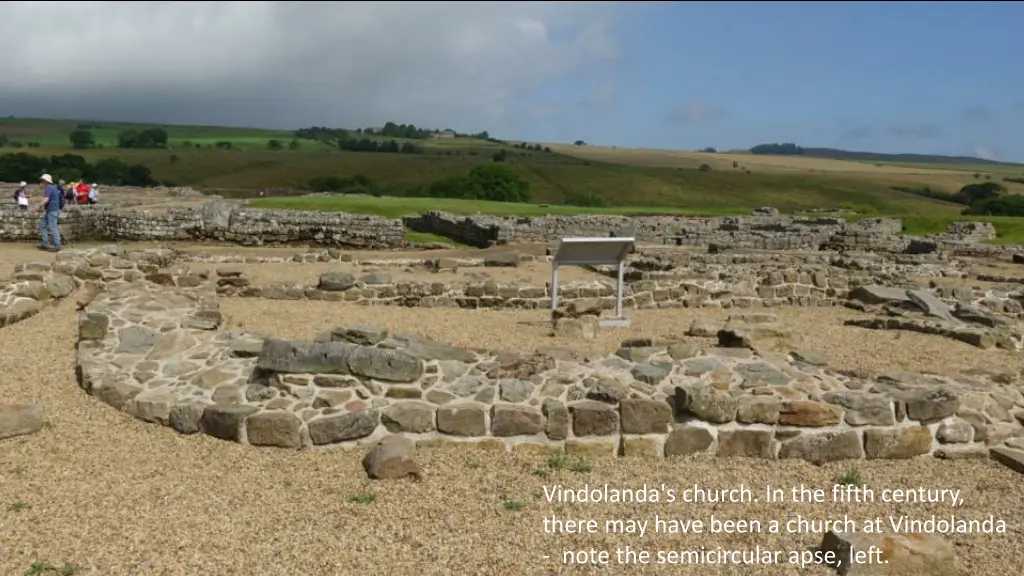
<point>976,114</point>
<point>694,112</point>
<point>915,131</point>
<point>465,65</point>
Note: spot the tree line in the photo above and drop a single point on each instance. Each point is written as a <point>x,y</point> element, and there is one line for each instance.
<point>492,182</point>
<point>70,167</point>
<point>980,199</point>
<point>82,138</point>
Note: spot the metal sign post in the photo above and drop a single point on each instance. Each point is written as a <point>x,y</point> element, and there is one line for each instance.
<point>593,252</point>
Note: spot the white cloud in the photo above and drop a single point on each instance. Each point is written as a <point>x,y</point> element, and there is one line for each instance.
<point>458,64</point>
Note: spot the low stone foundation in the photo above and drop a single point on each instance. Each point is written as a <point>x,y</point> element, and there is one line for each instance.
<point>157,353</point>
<point>213,222</point>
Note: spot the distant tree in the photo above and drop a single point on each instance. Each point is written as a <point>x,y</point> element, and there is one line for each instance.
<point>294,144</point>
<point>274,145</point>
<point>708,150</point>
<point>81,139</point>
<point>704,168</point>
<point>3,140</point>
<point>499,156</point>
<point>580,143</point>
<point>495,182</point>
<point>735,164</point>
<point>224,145</point>
<point>148,138</point>
<point>173,159</point>
<point>783,149</point>
<point>980,192</point>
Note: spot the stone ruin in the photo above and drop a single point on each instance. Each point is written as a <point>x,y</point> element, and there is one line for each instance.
<point>150,344</point>
<point>122,219</point>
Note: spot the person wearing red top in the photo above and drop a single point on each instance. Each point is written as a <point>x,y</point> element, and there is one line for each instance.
<point>81,193</point>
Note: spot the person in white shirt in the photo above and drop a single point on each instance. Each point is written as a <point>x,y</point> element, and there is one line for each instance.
<point>21,196</point>
<point>94,195</point>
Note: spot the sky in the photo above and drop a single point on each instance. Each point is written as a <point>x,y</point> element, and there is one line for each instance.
<point>893,77</point>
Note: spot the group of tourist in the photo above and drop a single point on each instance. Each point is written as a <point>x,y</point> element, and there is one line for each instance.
<point>54,198</point>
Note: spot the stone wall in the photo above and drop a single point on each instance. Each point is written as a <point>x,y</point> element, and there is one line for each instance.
<point>763,231</point>
<point>214,221</point>
<point>156,352</point>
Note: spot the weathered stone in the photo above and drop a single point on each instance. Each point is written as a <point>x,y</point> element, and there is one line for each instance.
<point>557,419</point>
<point>822,447</point>
<point>650,373</point>
<point>707,403</point>
<point>901,554</point>
<point>1009,457</point>
<point>686,440</point>
<point>305,357</point>
<point>136,340</point>
<point>391,459</point>
<point>931,405</point>
<point>591,418</point>
<point>93,326</point>
<point>186,418</point>
<point>385,364</point>
<point>644,416</point>
<point>757,410</point>
<point>746,443</point>
<point>515,390</point>
<point>362,335</point>
<point>642,447</point>
<point>955,432</point>
<point>416,417</point>
<point>225,421</point>
<point>19,420</point>
<point>343,427</point>
<point>809,414</point>
<point>462,420</point>
<point>274,428</point>
<point>863,409</point>
<point>515,420</point>
<point>897,443</point>
<point>336,281</point>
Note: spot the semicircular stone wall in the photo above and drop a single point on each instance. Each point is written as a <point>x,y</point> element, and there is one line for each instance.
<point>158,353</point>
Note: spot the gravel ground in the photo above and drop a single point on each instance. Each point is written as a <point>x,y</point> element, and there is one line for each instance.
<point>116,496</point>
<point>820,328</point>
<point>531,273</point>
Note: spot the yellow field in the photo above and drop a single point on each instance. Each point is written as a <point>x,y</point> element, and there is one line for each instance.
<point>945,177</point>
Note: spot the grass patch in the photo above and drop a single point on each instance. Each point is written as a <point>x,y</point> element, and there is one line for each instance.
<point>850,478</point>
<point>19,506</point>
<point>417,238</point>
<point>1009,230</point>
<point>561,461</point>
<point>396,207</point>
<point>365,498</point>
<point>44,568</point>
<point>513,505</point>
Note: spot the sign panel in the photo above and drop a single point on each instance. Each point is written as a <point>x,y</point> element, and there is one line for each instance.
<point>592,251</point>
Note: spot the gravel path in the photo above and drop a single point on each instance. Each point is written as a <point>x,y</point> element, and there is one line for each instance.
<point>529,273</point>
<point>846,347</point>
<point>116,496</point>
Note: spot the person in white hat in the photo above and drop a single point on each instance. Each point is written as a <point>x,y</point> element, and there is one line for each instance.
<point>51,212</point>
<point>21,196</point>
<point>94,194</point>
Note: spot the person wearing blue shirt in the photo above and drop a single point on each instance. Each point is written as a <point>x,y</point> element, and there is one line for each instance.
<point>51,212</point>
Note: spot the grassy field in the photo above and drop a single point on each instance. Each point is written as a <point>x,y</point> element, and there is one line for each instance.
<point>623,180</point>
<point>1009,230</point>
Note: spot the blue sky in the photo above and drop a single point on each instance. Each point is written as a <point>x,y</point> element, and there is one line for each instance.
<point>927,77</point>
